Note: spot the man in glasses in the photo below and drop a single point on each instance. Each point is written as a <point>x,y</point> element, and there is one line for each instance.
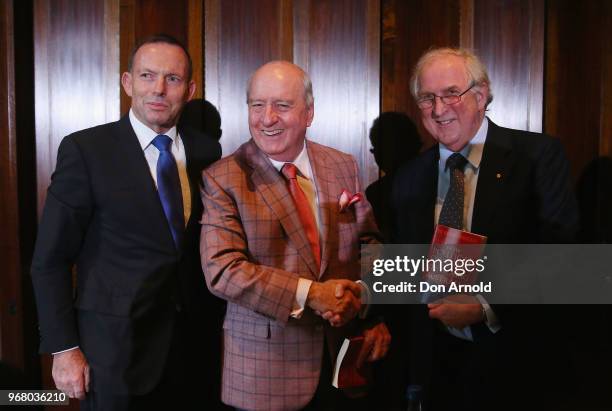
<point>509,185</point>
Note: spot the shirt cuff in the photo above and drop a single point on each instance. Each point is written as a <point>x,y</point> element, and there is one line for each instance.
<point>301,294</point>
<point>66,350</point>
<point>490,319</point>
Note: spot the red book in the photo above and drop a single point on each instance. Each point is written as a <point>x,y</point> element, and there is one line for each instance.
<point>346,373</point>
<point>455,248</point>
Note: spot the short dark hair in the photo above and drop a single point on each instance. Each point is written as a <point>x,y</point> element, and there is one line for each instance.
<point>161,38</point>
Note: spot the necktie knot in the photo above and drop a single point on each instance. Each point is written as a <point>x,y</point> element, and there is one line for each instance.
<point>456,161</point>
<point>289,171</point>
<point>162,142</point>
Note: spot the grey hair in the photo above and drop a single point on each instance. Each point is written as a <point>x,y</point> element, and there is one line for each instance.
<point>308,95</point>
<point>476,70</point>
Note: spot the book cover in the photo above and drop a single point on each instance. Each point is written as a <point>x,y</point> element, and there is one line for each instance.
<point>346,373</point>
<point>450,246</point>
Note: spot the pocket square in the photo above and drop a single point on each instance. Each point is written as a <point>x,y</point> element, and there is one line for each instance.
<point>347,199</point>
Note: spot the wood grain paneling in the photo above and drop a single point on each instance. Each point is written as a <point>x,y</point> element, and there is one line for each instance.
<point>76,59</point>
<point>605,140</point>
<point>336,42</point>
<point>409,29</point>
<point>508,35</point>
<point>11,319</point>
<point>575,78</point>
<point>240,36</point>
<point>195,42</point>
<point>143,18</point>
<point>340,50</point>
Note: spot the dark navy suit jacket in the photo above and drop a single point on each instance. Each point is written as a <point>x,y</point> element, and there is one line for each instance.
<point>104,216</point>
<point>523,196</point>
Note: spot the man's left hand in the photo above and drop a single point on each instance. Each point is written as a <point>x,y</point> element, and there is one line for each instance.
<point>457,311</point>
<point>375,345</point>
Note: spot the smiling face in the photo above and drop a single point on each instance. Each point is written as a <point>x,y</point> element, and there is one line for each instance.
<point>158,85</point>
<point>451,125</point>
<point>278,114</point>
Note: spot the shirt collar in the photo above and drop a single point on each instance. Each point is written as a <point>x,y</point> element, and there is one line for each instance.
<point>473,150</point>
<point>145,135</point>
<point>302,162</point>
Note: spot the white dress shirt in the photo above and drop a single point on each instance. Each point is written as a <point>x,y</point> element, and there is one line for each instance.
<point>473,153</point>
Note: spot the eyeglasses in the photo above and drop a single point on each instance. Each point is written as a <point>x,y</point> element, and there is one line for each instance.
<point>428,101</point>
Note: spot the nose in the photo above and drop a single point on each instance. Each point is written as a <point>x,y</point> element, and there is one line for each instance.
<point>159,87</point>
<point>270,117</point>
<point>438,107</point>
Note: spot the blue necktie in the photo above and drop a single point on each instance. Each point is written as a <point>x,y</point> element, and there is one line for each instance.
<point>169,188</point>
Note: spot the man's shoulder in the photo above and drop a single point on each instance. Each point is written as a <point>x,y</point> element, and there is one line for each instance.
<point>519,139</point>
<point>232,165</point>
<point>96,133</point>
<point>331,153</point>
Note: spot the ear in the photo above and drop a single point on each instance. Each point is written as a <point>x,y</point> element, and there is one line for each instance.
<point>191,90</point>
<point>310,114</point>
<point>482,95</point>
<point>126,82</point>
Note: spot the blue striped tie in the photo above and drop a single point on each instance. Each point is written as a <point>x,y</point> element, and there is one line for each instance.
<point>169,188</point>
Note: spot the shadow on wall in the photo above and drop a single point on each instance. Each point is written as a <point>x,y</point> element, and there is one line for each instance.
<point>395,140</point>
<point>201,115</point>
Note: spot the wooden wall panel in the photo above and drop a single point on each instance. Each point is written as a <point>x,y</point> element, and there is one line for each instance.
<point>508,35</point>
<point>76,60</point>
<point>240,36</point>
<point>575,78</point>
<point>142,18</point>
<point>605,141</point>
<point>11,319</point>
<point>409,29</point>
<point>340,50</point>
<point>18,330</point>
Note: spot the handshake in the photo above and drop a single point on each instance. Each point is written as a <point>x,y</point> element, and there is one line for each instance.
<point>337,301</point>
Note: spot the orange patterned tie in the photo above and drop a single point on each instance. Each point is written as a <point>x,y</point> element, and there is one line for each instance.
<point>303,209</point>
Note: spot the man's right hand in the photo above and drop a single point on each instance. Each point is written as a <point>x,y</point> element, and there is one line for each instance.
<point>71,373</point>
<point>330,297</point>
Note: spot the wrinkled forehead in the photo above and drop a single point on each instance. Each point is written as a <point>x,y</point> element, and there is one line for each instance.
<point>165,54</point>
<point>276,83</point>
<point>443,73</point>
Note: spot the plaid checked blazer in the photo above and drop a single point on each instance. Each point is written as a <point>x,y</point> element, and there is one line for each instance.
<point>254,249</point>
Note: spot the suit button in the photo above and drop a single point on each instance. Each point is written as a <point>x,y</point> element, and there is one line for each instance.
<point>319,327</point>
<point>178,307</point>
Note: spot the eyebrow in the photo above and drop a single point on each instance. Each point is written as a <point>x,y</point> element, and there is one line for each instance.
<point>446,90</point>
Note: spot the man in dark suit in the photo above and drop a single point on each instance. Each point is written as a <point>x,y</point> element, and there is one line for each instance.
<point>514,188</point>
<point>123,207</point>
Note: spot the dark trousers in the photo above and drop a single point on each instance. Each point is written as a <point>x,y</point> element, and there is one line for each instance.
<point>191,375</point>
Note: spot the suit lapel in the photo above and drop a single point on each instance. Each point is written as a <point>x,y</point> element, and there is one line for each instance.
<point>189,145</point>
<point>273,190</point>
<point>423,196</point>
<point>492,177</point>
<point>325,193</point>
<point>136,169</point>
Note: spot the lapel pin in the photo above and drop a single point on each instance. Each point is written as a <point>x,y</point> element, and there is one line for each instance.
<point>498,176</point>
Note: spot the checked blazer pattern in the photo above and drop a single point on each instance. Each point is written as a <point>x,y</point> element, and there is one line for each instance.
<point>254,249</point>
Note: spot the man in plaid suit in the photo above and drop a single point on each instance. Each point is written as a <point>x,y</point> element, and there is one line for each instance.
<point>291,295</point>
